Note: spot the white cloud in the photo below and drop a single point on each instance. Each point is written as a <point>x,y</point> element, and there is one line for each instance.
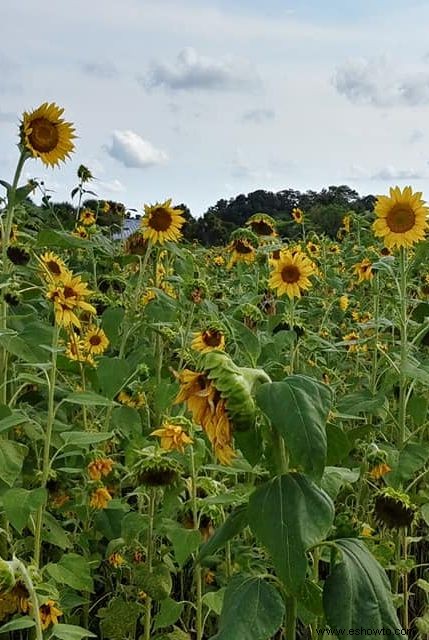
<point>102,70</point>
<point>259,116</point>
<point>417,135</point>
<point>381,82</point>
<point>133,152</point>
<point>193,71</point>
<point>387,173</point>
<point>114,186</point>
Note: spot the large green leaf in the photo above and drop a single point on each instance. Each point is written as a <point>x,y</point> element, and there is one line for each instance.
<point>357,591</point>
<point>70,632</point>
<point>12,455</point>
<point>112,374</point>
<point>184,541</point>
<point>413,457</point>
<point>232,526</point>
<point>252,610</point>
<point>289,514</point>
<point>72,570</point>
<point>88,399</point>
<point>20,503</point>
<point>298,407</point>
<point>60,239</point>
<point>17,625</point>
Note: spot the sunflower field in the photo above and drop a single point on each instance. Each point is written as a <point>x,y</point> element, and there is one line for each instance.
<point>227,443</point>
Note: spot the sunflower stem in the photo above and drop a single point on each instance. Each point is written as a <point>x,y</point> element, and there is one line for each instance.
<point>18,567</point>
<point>149,561</point>
<point>403,324</point>
<point>47,446</point>
<point>197,571</point>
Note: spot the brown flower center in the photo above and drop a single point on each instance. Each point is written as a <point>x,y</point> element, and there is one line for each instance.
<point>401,218</point>
<point>242,247</point>
<point>290,274</point>
<point>212,338</point>
<point>54,267</point>
<point>44,135</point>
<point>262,228</point>
<point>160,219</point>
<point>95,340</point>
<point>69,292</point>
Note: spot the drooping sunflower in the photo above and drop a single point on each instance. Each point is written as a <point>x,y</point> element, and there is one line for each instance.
<point>100,498</point>
<point>100,467</point>
<point>87,217</point>
<point>262,224</point>
<point>172,436</point>
<point>401,218</point>
<point>45,134</point>
<point>95,340</point>
<point>363,270</point>
<point>162,222</point>
<point>207,340</point>
<point>344,302</point>
<point>291,274</point>
<point>242,246</point>
<point>298,215</point>
<point>49,614</point>
<point>54,267</point>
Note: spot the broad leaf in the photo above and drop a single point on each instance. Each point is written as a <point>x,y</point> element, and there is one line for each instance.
<point>357,591</point>
<point>289,514</point>
<point>298,408</point>
<point>12,455</point>
<point>232,526</point>
<point>252,610</point>
<point>20,503</point>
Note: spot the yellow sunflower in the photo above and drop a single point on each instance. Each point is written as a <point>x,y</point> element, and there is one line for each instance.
<point>297,215</point>
<point>95,340</point>
<point>75,350</point>
<point>313,248</point>
<point>53,266</point>
<point>363,270</point>
<point>87,217</point>
<point>172,437</point>
<point>208,340</point>
<point>401,218</point>
<point>68,296</point>
<point>344,302</point>
<point>162,222</point>
<point>49,614</point>
<point>242,246</point>
<point>100,498</point>
<point>262,224</point>
<point>45,135</point>
<point>80,232</point>
<point>291,274</point>
<point>100,467</point>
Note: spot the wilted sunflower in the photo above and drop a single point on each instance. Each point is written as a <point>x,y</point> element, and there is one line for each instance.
<point>208,340</point>
<point>100,467</point>
<point>401,218</point>
<point>394,508</point>
<point>297,215</point>
<point>172,436</point>
<point>49,614</point>
<point>100,498</point>
<point>262,225</point>
<point>45,135</point>
<point>242,246</point>
<point>162,222</point>
<point>87,217</point>
<point>379,471</point>
<point>363,270</point>
<point>54,267</point>
<point>291,274</point>
<point>95,340</point>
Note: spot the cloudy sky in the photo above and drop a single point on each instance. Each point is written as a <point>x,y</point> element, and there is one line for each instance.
<point>203,99</point>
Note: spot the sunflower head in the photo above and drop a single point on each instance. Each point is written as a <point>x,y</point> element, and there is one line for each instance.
<point>394,508</point>
<point>262,224</point>
<point>45,135</point>
<point>401,218</point>
<point>162,222</point>
<point>298,215</point>
<point>84,174</point>
<point>157,471</point>
<point>196,290</point>
<point>53,266</point>
<point>291,274</point>
<point>363,270</point>
<point>213,337</point>
<point>18,255</point>
<point>243,246</point>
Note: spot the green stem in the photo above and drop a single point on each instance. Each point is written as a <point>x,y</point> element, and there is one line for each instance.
<point>149,560</point>
<point>376,299</point>
<point>403,321</point>
<point>21,569</point>
<point>47,446</point>
<point>291,615</point>
<point>197,570</point>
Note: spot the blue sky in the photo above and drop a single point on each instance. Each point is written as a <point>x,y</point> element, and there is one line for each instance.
<point>200,100</point>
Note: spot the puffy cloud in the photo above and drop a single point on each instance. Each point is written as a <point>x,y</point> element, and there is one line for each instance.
<point>133,152</point>
<point>259,116</point>
<point>113,186</point>
<point>102,70</point>
<point>388,173</point>
<point>379,82</point>
<point>192,71</point>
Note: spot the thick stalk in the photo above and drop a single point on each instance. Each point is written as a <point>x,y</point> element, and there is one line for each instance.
<point>47,446</point>
<point>197,570</point>
<point>403,321</point>
<point>18,567</point>
<point>376,305</point>
<point>149,561</point>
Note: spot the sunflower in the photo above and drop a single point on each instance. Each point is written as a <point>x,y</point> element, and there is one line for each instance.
<point>379,471</point>
<point>45,135</point>
<point>242,246</point>
<point>87,217</point>
<point>76,350</point>
<point>313,248</point>
<point>95,340</point>
<point>363,270</point>
<point>80,232</point>
<point>162,222</point>
<point>297,215</point>
<point>344,303</point>
<point>134,399</point>
<point>100,498</point>
<point>49,614</point>
<point>54,266</point>
<point>346,223</point>
<point>290,274</point>
<point>401,218</point>
<point>68,296</point>
<point>116,560</point>
<point>218,261</point>
<point>100,467</point>
<point>172,437</point>
<point>208,340</point>
<point>262,225</point>
<point>394,509</point>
